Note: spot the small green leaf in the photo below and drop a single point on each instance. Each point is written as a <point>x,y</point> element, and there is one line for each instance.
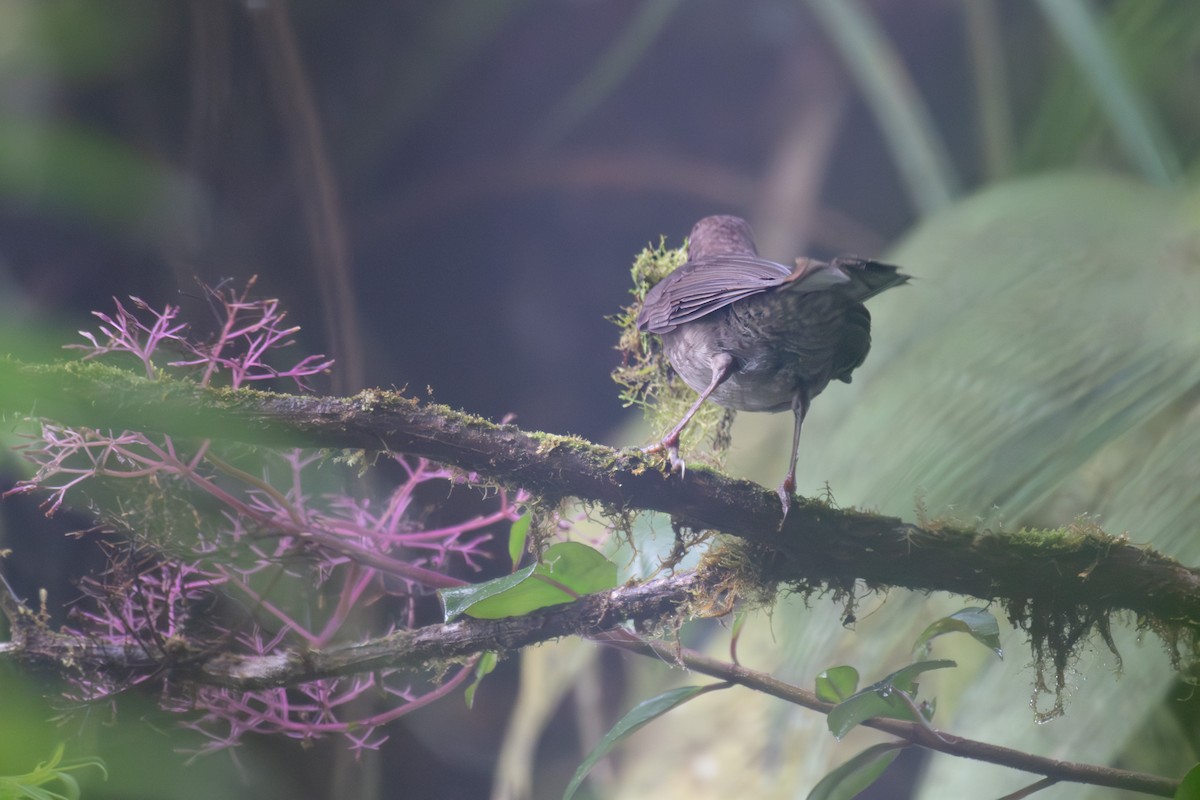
<point>866,705</point>
<point>905,677</point>
<point>517,535</point>
<point>978,622</point>
<point>1189,787</point>
<point>851,778</point>
<point>881,699</point>
<point>30,784</point>
<point>484,667</point>
<point>641,714</point>
<point>459,599</point>
<point>568,570</point>
<point>837,683</point>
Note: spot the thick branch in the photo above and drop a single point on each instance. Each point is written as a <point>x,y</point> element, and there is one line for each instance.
<point>1054,572</point>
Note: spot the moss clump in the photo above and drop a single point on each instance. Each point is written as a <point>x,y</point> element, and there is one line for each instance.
<point>646,378</point>
<point>744,567</point>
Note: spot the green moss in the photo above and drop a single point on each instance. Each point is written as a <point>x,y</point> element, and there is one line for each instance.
<point>646,378</point>
<point>749,566</point>
<point>1080,534</point>
<point>549,442</point>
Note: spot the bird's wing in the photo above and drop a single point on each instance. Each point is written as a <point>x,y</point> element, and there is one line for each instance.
<point>700,287</point>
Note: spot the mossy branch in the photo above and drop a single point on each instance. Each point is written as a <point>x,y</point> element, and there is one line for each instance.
<point>1058,584</point>
<point>416,650</point>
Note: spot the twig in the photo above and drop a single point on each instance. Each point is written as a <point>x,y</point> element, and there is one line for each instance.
<point>1031,789</point>
<point>1058,771</point>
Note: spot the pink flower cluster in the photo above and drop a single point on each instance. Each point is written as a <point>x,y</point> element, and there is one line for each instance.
<point>249,331</point>
<point>264,550</point>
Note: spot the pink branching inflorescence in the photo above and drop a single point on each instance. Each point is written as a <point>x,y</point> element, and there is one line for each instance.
<point>127,334</point>
<point>249,331</point>
<point>243,579</point>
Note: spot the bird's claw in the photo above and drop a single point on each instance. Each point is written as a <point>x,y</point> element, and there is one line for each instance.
<point>786,491</point>
<point>673,457</point>
<point>677,464</point>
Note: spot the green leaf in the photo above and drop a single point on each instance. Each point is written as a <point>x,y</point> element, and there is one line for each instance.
<point>905,677</point>
<point>458,600</point>
<point>487,663</point>
<point>868,704</point>
<point>517,535</point>
<point>881,699</point>
<point>1189,787</point>
<point>641,714</point>
<point>568,570</point>
<point>857,774</point>
<point>837,684</point>
<point>976,621</point>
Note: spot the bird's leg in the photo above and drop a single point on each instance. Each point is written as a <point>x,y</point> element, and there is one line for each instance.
<point>800,402</point>
<point>723,365</point>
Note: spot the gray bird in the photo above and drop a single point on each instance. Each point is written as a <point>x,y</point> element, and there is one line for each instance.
<point>754,335</point>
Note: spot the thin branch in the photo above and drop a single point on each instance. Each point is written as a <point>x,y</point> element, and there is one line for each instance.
<point>1061,771</point>
<point>596,616</point>
<point>408,649</point>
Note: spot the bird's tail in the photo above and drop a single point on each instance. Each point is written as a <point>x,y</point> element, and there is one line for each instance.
<point>867,278</point>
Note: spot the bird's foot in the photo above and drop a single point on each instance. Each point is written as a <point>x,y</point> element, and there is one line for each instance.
<point>786,492</point>
<point>670,443</point>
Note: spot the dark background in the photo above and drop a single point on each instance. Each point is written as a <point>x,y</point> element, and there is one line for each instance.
<point>409,153</point>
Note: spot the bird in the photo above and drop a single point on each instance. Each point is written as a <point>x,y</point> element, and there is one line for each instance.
<point>754,335</point>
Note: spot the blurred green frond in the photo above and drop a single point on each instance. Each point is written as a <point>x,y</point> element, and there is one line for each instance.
<point>902,115</point>
<point>616,64</point>
<point>63,169</point>
<point>76,39</point>
<point>985,44</point>
<point>1133,120</point>
<point>1120,72</point>
<point>450,34</point>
